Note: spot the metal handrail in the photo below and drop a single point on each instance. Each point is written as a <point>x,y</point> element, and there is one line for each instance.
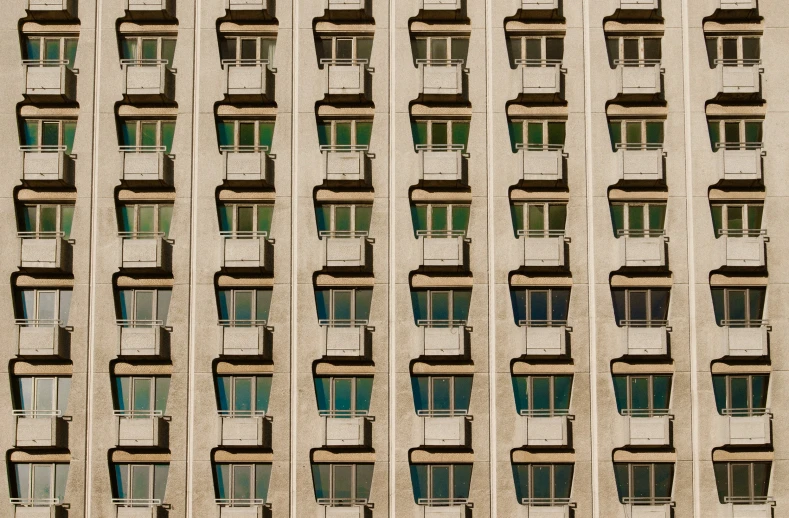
<point>45,62</point>
<point>648,500</point>
<point>745,323</point>
<point>240,502</point>
<point>343,413</point>
<point>643,323</point>
<point>441,233</point>
<point>41,148</point>
<point>640,146</point>
<point>343,148</point>
<point>241,413</point>
<point>341,322</point>
<point>137,502</point>
<point>244,62</point>
<point>40,234</point>
<point>130,414</point>
<point>455,412</point>
<point>531,146</point>
<point>541,62</point>
<point>641,232</point>
<point>252,148</point>
<point>646,412</point>
<point>344,61</point>
<point>546,412</point>
<point>343,233</point>
<point>545,502</point>
<point>541,233</point>
<point>746,412</point>
<point>136,234</point>
<point>233,322</point>
<point>440,62</point>
<point>130,322</point>
<point>38,322</point>
<point>743,232</point>
<point>542,323</point>
<point>739,145</point>
<point>243,234</point>
<point>139,62</point>
<point>35,502</point>
<point>753,500</point>
<point>738,62</point>
<point>637,62</point>
<point>441,323</point>
<point>142,149</point>
<point>442,502</point>
<point>440,147</point>
<point>341,502</point>
<point>37,413</point>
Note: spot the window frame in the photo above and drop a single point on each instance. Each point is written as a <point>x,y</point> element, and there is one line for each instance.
<point>133,322</point>
<point>727,321</point>
<point>549,412</point>
<point>649,322</point>
<point>332,221</point>
<point>553,500</point>
<point>750,410</point>
<point>746,207</point>
<point>751,498</point>
<point>333,60</point>
<point>56,310</point>
<point>429,232</point>
<point>431,411</point>
<point>231,397</point>
<point>641,61</point>
<point>235,147</point>
<point>742,143</point>
<point>647,500</point>
<point>626,231</point>
<point>135,233</point>
<point>629,411</point>
<point>353,321</point>
<point>34,411</point>
<point>234,322</point>
<point>644,145</point>
<point>29,500</point>
<point>237,43</point>
<point>449,146</point>
<point>333,500</point>
<point>429,60</point>
<point>39,147</point>
<point>548,291</point>
<point>44,234</point>
<point>546,145</point>
<point>739,61</point>
<point>546,232</point>
<point>137,147</point>
<point>524,61</point>
<point>42,39</point>
<point>348,148</point>
<point>234,233</point>
<point>138,60</point>
<point>333,411</point>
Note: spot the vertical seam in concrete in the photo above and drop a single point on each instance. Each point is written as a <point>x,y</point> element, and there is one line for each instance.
<point>293,254</point>
<point>193,261</point>
<point>590,262</point>
<point>392,248</point>
<point>94,218</point>
<point>492,443</point>
<point>694,382</point>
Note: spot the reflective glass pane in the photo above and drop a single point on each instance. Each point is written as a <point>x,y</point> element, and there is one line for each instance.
<point>243,305</point>
<point>732,132</point>
<point>562,480</point>
<point>538,306</point>
<point>150,49</point>
<point>364,132</point>
<point>557,216</point>
<point>618,217</point>
<point>265,134</point>
<point>664,475</point>
<point>321,480</point>
<point>750,49</point>
<point>461,302</point>
<point>262,478</point>
<point>761,478</point>
<point>343,395</point>
<point>364,214</point>
<point>642,481</point>
<point>343,306</point>
<point>46,305</point>
<point>639,393</point>
<point>439,306</point>
<point>148,134</point>
<point>652,48</point>
<point>759,391</point>
<point>734,217</point>
<point>343,482</point>
<point>165,217</point>
<point>344,48</point>
<point>755,216</point>
<point>439,134</point>
<point>61,477</point>
<point>29,218</point>
<point>242,400</point>
<point>753,132</point>
<point>440,487</point>
<point>442,396</point>
<point>419,132</point>
<point>638,305</point>
<point>52,49</point>
<point>146,215</point>
<point>560,301</point>
<point>630,47</point>
<point>142,394</point>
<point>534,133</point>
<point>226,132</point>
<point>654,132</point>
<point>162,389</point>
<point>45,394</point>
<point>554,49</point>
<point>755,303</point>
<point>168,51</point>
<point>438,218</point>
<point>661,392</point>
<point>70,51</point>
<point>246,134</point>
<point>657,217</point>
<point>633,132</point>
<point>729,48</point>
<point>536,214</point>
<point>143,310</point>
<point>249,49</point>
<point>342,218</point>
<point>364,390</point>
<point>364,480</point>
<point>460,132</point>
<point>659,308</point>
<point>262,304</point>
<point>542,484</point>
<point>721,479</point>
<point>32,48</point>
<point>615,132</point>
<point>740,480</point>
<point>420,386</point>
<point>737,305</point>
<point>556,133</point>
<point>462,392</point>
<point>438,48</point>
<point>26,394</point>
<point>22,472</point>
<point>140,482</point>
<point>739,392</point>
<point>533,49</point>
<point>541,393</point>
<point>42,481</point>
<point>242,482</point>
<point>562,385</point>
<point>342,134</point>
<point>50,134</point>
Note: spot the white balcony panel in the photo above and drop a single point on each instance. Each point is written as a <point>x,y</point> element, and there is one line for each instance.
<point>545,341</point>
<point>142,253</point>
<point>546,431</point>
<point>45,166</point>
<point>528,5</point>
<point>153,511</point>
<point>148,5</point>
<point>42,341</point>
<point>442,79</point>
<point>49,5</point>
<point>638,4</point>
<point>141,341</point>
<point>740,80</point>
<point>444,341</point>
<point>644,251</point>
<point>450,511</point>
<point>345,165</point>
<point>38,431</point>
<point>345,5</point>
<point>646,340</point>
<point>247,5</point>
<point>149,80</point>
<point>543,251</point>
<point>44,253</point>
<point>441,5</point>
<point>346,79</point>
<point>649,511</point>
<point>741,164</point>
<point>241,512</point>
<point>745,250</point>
<point>244,253</point>
<point>243,341</point>
<point>242,431</point>
<point>139,431</point>
<point>346,251</point>
<point>345,431</point>
<point>553,511</point>
<point>749,430</point>
<point>147,167</point>
<point>50,81</point>
<point>441,165</point>
<point>649,431</point>
<point>445,431</point>
<point>245,166</point>
<point>751,510</point>
<point>344,512</point>
<point>738,4</point>
<point>442,251</point>
<point>545,165</point>
<point>745,341</point>
<point>641,164</point>
<point>345,341</point>
<point>246,79</point>
<point>51,511</point>
<point>639,80</point>
<point>543,80</point>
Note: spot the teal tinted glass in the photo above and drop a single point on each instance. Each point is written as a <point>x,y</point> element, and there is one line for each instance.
<point>42,485</point>
<point>419,217</point>
<point>538,306</point>
<point>323,393</point>
<point>129,48</point>
<point>641,481</point>
<point>739,392</point>
<point>32,48</point>
<point>620,391</point>
<point>242,400</point>
<point>262,479</point>
<point>541,485</point>
<point>439,305</point>
<point>129,133</point>
<point>516,134</point>
<point>364,390</point>
<point>52,49</point>
<point>162,389</point>
<point>460,304</point>
<point>342,310</point>
<point>534,133</point>
<point>714,129</point>
<point>460,217</point>
<point>661,387</point>
<point>461,480</point>
<point>536,215</point>
<point>615,132</point>
<point>224,298</point>
<point>557,216</point>
<point>520,387</point>
<point>755,216</point>
<point>562,386</point>
<point>635,215</point>
<point>737,305</point>
<point>442,394</point>
<point>343,395</point>
<point>29,218</point>
<point>719,388</point>
<point>140,481</point>
<point>364,214</point>
<point>225,218</point>
<point>364,298</point>
<point>419,304</point>
<point>266,134</point>
<point>322,300</point>
<point>460,133</point>
<point>245,218</point>
<point>463,392</point>
<point>438,218</point>
<point>633,132</point>
<point>324,133</point>
<point>342,134</point>
<point>226,132</point>
<point>323,217</point>
<point>142,392</point>
<point>541,393</point>
<point>321,480</point>
<point>419,132</point>
<point>343,482</point>
<point>759,391</point>
<point>420,386</point>
<point>242,482</point>
<point>440,482</point>
<point>516,212</point>
<point>122,480</point>
<point>657,217</point>
<point>639,393</point>
<point>50,134</point>
<point>562,480</point>
<point>717,219</point>
<point>148,134</point>
<point>520,473</point>
<point>718,304</point>
<point>342,218</point>
<point>69,131</point>
<point>756,303</point>
<point>753,132</point>
<point>622,476</point>
<point>246,134</point>
<point>364,131</point>
<point>61,478</point>
<point>30,133</point>
<point>165,218</point>
<point>145,218</point>
<point>150,49</point>
<point>243,305</point>
<point>654,132</point>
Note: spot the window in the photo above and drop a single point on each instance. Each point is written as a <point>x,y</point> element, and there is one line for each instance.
<point>147,136</point>
<point>139,485</point>
<point>647,307</point>
<point>441,308</point>
<point>638,219</point>
<point>249,50</point>
<point>737,219</point>
<point>41,396</point>
<point>144,220</point>
<point>540,307</point>
<point>542,396</point>
<point>147,50</point>
<point>242,485</point>
<point>241,220</point>
<point>633,51</point>
<point>342,484</point>
<point>645,395</point>
<point>735,134</point>
<point>243,396</point>
<point>543,484</point>
<point>434,220</point>
<point>244,307</point>
<point>345,135</point>
<point>638,135</point>
<point>440,50</point>
<point>39,485</point>
<point>345,50</point>
<point>741,394</point>
<point>50,50</point>
<point>441,396</point>
<point>645,484</point>
<point>41,220</point>
<point>245,136</point>
<point>535,51</point>
<point>43,307</point>
<point>143,307</point>
<point>336,220</point>
<point>539,219</point>
<point>343,307</point>
<point>141,396</point>
<point>535,135</point>
<point>347,396</point>
<point>742,482</point>
<point>441,484</point>
<point>42,135</point>
<point>733,51</point>
<point>739,307</point>
<point>446,135</point>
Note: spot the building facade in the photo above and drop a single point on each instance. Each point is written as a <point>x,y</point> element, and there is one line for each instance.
<point>412,258</point>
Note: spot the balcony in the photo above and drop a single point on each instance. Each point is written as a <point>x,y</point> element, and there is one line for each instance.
<point>738,4</point>
<point>648,427</point>
<point>745,339</point>
<point>346,163</point>
<point>547,507</point>
<point>249,78</point>
<point>247,164</point>
<point>441,5</point>
<point>540,76</point>
<point>749,427</point>
<point>40,428</point>
<point>545,337</point>
<point>639,77</point>
<point>247,5</point>
<point>749,507</point>
<point>45,251</point>
<point>740,161</point>
<point>442,162</point>
<point>242,508</point>
<point>441,76</point>
<point>448,429</point>
<point>52,6</point>
<point>150,6</point>
<point>146,250</point>
<point>444,508</point>
<point>345,5</point>
<point>144,428</point>
<point>444,338</point>
<point>347,249</point>
<point>543,162</point>
<point>641,162</point>
<point>646,507</point>
<point>545,428</point>
<point>744,248</point>
<point>139,508</point>
<point>144,338</point>
<point>444,248</point>
<point>639,4</point>
<point>42,338</point>
<point>739,76</point>
<point>148,80</point>
<point>346,338</point>
<point>344,429</point>
<point>245,428</point>
<point>50,80</point>
<point>645,338</point>
<point>38,508</point>
<point>357,510</point>
<point>543,247</point>
<point>246,338</point>
<point>642,248</point>
<point>251,249</point>
<point>147,165</point>
<point>539,5</point>
<point>47,165</point>
<point>348,77</point>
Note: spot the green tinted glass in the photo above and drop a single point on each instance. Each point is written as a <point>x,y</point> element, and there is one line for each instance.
<point>145,218</point>
<point>536,217</point>
<point>262,304</point>
<point>49,219</point>
<point>266,134</point>
<point>755,216</point>
<point>30,133</point>
<point>635,215</point>
<point>150,49</point>
<point>29,218</point>
<point>265,214</point>
<point>419,133</point>
<point>438,218</point>
<point>534,133</point>
<point>50,134</point>
<point>168,51</point>
<point>33,48</point>
<point>364,214</point>
<point>364,132</point>
<point>226,132</point>
<point>70,52</point>
<point>753,132</point>
<point>556,133</point>
<point>460,132</point>
<point>714,129</point>
<point>342,218</point>
<point>246,134</point>
<point>460,216</point>
<point>657,217</point>
<point>168,132</point>
<point>148,134</point>
<point>342,134</point>
<point>654,132</point>
<point>129,48</point>
<point>165,217</point>
<point>439,133</point>
<point>516,134</point>
<point>516,211</point>
<point>633,132</point>
<point>717,219</point>
<point>615,131</point>
<point>557,216</point>
<point>52,49</point>
<point>734,217</point>
<point>419,217</point>
<point>69,131</point>
<point>324,133</point>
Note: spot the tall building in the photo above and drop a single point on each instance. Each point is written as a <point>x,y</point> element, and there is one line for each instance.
<point>394,258</point>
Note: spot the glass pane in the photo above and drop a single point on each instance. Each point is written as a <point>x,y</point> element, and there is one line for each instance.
<point>245,219</point>
<point>737,305</point>
<point>520,387</point>
<point>364,132</point>
<point>657,217</point>
<point>516,134</point>
<point>50,134</point>
<point>438,48</point>
<point>324,133</point>
<point>243,306</point>
<point>739,392</point>
<point>556,133</point>
<point>69,131</point>
<point>150,49</point>
<point>534,133</point>
<point>242,482</point>
<point>620,309</point>
<point>661,392</point>
<point>740,480</point>
<point>520,473</point>
<point>222,472</point>
<point>344,48</point>
<point>642,481</point>
<point>439,306</point>
<point>460,132</point>
<point>162,389</point>
<point>142,394</point>
<point>461,302</point>
<point>148,134</point>
<point>364,214</point>
<point>32,48</point>
<point>343,482</point>
<point>343,395</point>
<point>168,51</point>
<point>129,48</point>
<point>143,309</point>
<point>265,134</point>
<point>718,304</point>
<point>42,482</point>
<point>342,132</point>
<point>463,392</point>
<point>419,132</point>
<point>52,49</point>
<point>536,214</point>
<point>615,132</point>
<point>342,310</point>
<point>321,480</point>
<point>61,478</point>
<point>420,386</point>
<point>635,214</point>
<point>750,49</point>
<point>65,306</point>
<point>246,134</point>
<point>541,481</point>
<point>442,396</point>
<point>226,132</point>
<point>638,305</point>
<point>541,393</point>
<point>30,133</point>
<point>554,49</point>
<point>461,480</point>
<point>721,479</point>
<point>755,303</point>
<point>562,385</point>
<point>759,391</point>
<point>145,219</point>
<point>560,301</point>
<point>652,48</point>
<point>342,219</point>
<point>729,48</point>
<point>262,478</point>
<point>242,397</point>
<point>755,216</point>
<point>439,487</point>
<point>639,393</point>
<point>419,303</point>
<point>557,216</point>
<point>419,47</point>
<point>165,217</point>
<point>364,480</point>
<point>753,132</point>
<point>46,305</point>
<point>715,134</point>
<point>140,482</point>
<point>249,49</point>
<point>438,219</point>
<point>439,133</point>
<point>719,387</point>
<point>630,47</point>
<point>734,217</point>
<point>761,478</point>
<point>45,394</point>
<point>419,217</point>
<point>533,49</point>
<point>622,475</point>
<point>163,304</point>
<point>262,304</point>
<point>659,309</point>
<point>732,132</point>
<point>618,218</point>
<point>26,393</point>
<point>364,390</point>
<point>654,132</point>
<point>633,132</point>
<point>562,480</point>
<point>612,46</point>
<point>70,52</point>
<point>538,306</point>
<point>29,218</point>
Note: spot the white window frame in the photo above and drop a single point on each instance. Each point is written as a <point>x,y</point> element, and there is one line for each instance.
<point>429,146</point>
<point>653,500</point>
<point>429,232</point>
<point>749,321</point>
<point>259,58</point>
<point>38,233</point>
<point>750,410</point>
<point>133,501</point>
<point>138,59</point>
<point>543,61</point>
<point>42,39</point>
<point>742,144</point>
<point>649,322</point>
<point>528,232</point>
<point>431,411</point>
<point>546,145</point>
<point>552,500</point>
<point>232,309</point>
<point>752,499</point>
<point>746,207</point>
<point>246,148</point>
<point>137,146</point>
<point>37,321</point>
<point>651,411</point>
<point>237,234</point>
<point>552,411</point>
<point>641,61</point>
<point>527,309</point>
<point>648,231</point>
<point>739,61</point>
<point>643,145</point>
<point>28,500</point>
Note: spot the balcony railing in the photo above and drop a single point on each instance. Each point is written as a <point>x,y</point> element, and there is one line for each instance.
<point>541,76</point>
<point>738,4</point>
<point>643,247</point>
<point>537,5</point>
<point>641,161</point>
<point>42,337</point>
<point>639,76</point>
<point>45,250</point>
<point>639,4</point>
<point>246,249</point>
<point>546,427</point>
<point>739,76</point>
<point>747,338</point>
<point>441,76</point>
<point>346,248</point>
<point>135,6</point>
<point>137,502</point>
<point>346,337</point>
<point>645,337</point>
<point>50,78</point>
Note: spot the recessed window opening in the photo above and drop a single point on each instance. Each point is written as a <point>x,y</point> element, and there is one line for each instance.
<point>540,307</point>
<point>43,307</point>
<point>733,51</point>
<point>244,307</point>
<point>542,395</point>
<point>147,136</point>
<point>243,396</point>
<point>343,220</point>
<point>441,308</point>
<point>343,135</point>
<point>537,135</point>
<point>245,220</point>
<point>343,396</point>
<point>343,307</point>
<point>539,219</point>
<point>41,396</point>
<point>644,483</point>
<point>743,482</point>
<point>441,484</point>
<point>741,395</point>
<point>245,136</point>
<point>38,484</point>
<point>342,485</point>
<point>147,51</point>
<point>440,135</point>
<point>639,219</point>
<point>639,135</point>
<point>733,219</point>
<point>435,220</point>
<point>441,396</point>
<point>143,307</point>
<point>141,397</point>
<point>633,51</point>
<point>144,220</point>
<point>535,51</point>
<point>647,307</point>
<point>543,484</point>
<point>48,135</point>
<point>440,50</point>
<point>739,307</point>
<point>645,395</point>
<point>44,220</point>
<point>736,134</point>
<point>49,50</point>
